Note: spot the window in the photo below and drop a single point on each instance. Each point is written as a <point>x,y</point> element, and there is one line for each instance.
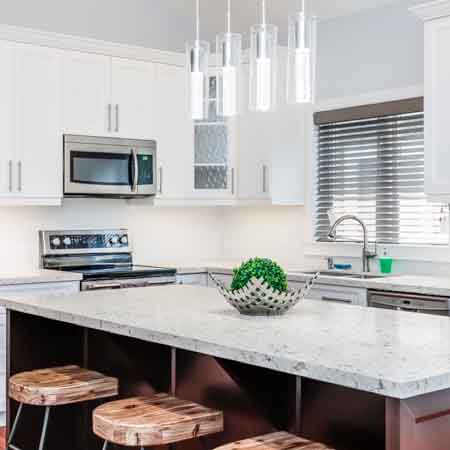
<point>370,163</point>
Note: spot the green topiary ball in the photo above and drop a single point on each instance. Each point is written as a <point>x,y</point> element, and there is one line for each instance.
<point>260,268</point>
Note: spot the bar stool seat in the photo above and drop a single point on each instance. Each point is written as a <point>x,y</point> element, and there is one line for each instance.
<point>54,387</point>
<point>60,386</point>
<point>275,441</point>
<point>157,420</point>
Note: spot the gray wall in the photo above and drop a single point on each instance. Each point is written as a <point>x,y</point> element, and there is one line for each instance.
<point>376,50</point>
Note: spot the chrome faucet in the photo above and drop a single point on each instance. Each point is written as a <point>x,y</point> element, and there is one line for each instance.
<point>366,254</point>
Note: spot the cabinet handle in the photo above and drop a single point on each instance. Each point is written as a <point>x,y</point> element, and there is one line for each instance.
<point>19,178</point>
<point>117,118</point>
<point>335,300</point>
<point>264,176</point>
<point>109,118</point>
<point>233,179</point>
<point>161,180</point>
<point>10,165</point>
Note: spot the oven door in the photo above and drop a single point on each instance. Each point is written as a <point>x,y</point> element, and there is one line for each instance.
<point>109,167</point>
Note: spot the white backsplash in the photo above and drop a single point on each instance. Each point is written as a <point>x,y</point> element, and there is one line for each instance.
<point>159,234</point>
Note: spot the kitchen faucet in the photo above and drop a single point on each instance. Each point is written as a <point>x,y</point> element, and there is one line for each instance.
<point>366,254</point>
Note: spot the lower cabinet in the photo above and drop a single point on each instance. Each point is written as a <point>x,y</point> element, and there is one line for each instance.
<point>196,279</point>
<point>56,289</point>
<point>339,294</point>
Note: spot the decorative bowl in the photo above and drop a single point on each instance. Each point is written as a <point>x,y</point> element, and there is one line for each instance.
<point>259,299</point>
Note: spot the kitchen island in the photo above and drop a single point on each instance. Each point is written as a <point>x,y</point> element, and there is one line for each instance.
<point>349,376</point>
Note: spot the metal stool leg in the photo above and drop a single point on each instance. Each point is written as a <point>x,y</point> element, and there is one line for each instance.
<point>13,428</point>
<point>44,428</point>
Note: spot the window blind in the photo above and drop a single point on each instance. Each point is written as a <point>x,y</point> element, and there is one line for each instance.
<point>373,167</point>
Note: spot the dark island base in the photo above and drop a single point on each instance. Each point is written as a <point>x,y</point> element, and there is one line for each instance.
<point>254,400</point>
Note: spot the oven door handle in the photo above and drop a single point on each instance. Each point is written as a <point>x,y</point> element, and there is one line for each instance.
<point>135,170</point>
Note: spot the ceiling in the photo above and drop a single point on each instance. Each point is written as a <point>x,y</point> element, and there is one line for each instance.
<point>247,12</point>
<point>167,24</point>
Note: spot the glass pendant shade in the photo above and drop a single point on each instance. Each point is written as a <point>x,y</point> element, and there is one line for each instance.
<point>263,67</point>
<point>229,50</point>
<point>301,69</point>
<point>198,79</point>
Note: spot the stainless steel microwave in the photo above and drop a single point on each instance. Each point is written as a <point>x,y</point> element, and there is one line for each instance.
<point>109,167</point>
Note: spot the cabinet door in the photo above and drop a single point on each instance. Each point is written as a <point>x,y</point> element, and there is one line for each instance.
<point>214,148</point>
<point>133,99</point>
<point>255,148</point>
<point>38,121</point>
<point>87,107</point>
<point>7,89</point>
<point>174,134</point>
<point>437,99</point>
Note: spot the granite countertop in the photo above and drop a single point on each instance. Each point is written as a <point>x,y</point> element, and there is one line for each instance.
<point>390,353</point>
<point>12,277</point>
<point>418,284</point>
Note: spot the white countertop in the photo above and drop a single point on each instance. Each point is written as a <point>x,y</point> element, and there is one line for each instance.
<point>390,353</point>
<point>12,277</point>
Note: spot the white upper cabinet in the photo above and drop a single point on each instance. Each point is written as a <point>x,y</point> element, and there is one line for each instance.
<point>7,56</point>
<point>133,97</point>
<point>437,97</point>
<point>38,113</point>
<point>272,148</point>
<point>87,94</point>
<point>255,134</point>
<point>174,134</point>
<point>106,96</point>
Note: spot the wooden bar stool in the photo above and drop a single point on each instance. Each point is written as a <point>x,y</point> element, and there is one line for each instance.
<point>157,420</point>
<point>275,441</point>
<point>55,387</point>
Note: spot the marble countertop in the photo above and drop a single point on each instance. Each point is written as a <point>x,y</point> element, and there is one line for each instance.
<point>390,353</point>
<point>11,277</point>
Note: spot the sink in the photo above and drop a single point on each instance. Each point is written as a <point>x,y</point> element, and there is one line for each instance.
<point>334,273</point>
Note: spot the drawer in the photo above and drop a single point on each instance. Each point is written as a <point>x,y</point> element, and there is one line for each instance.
<point>339,294</point>
<point>197,279</point>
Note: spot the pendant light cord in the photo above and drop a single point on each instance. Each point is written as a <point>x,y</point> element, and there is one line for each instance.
<point>229,16</point>
<point>264,12</point>
<point>198,20</point>
<point>303,6</point>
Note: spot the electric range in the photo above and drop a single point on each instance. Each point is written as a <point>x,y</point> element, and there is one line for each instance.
<point>103,257</point>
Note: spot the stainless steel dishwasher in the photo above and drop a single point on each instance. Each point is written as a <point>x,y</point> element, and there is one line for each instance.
<point>423,304</point>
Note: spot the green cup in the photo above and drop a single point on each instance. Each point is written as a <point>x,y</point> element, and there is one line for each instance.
<point>386,265</point>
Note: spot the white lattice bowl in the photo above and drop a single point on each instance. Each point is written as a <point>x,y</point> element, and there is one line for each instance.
<point>259,299</point>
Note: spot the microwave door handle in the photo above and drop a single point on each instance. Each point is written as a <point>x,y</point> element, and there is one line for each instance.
<point>135,172</point>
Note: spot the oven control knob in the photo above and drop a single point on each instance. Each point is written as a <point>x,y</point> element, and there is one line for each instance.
<point>67,241</point>
<point>124,240</point>
<point>56,241</point>
<point>114,240</point>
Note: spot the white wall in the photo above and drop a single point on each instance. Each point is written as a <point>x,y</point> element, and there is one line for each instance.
<point>172,235</point>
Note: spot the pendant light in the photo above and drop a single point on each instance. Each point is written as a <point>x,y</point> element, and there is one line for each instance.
<point>229,49</point>
<point>301,69</point>
<point>263,65</point>
<point>198,67</point>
